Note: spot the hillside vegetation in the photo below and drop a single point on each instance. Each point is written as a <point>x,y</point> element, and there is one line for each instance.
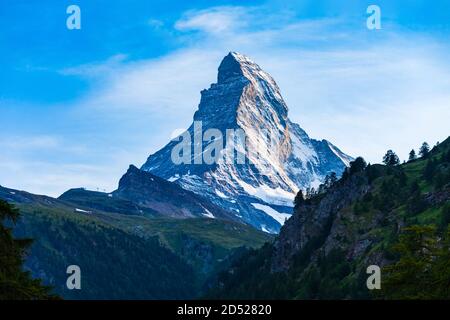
<point>15,283</point>
<point>124,256</point>
<point>395,216</point>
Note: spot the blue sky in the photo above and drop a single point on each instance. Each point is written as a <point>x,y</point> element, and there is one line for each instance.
<point>78,106</point>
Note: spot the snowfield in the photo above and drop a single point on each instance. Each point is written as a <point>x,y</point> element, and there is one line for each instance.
<point>280,217</point>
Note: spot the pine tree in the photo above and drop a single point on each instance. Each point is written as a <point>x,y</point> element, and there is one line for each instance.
<point>333,179</point>
<point>327,182</point>
<point>412,155</point>
<point>390,158</point>
<point>422,271</point>
<point>447,156</point>
<point>424,150</point>
<point>16,284</point>
<point>358,165</point>
<point>429,171</point>
<point>299,199</point>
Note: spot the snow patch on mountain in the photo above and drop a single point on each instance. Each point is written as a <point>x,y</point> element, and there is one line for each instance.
<point>221,194</point>
<point>208,214</point>
<point>82,211</point>
<point>174,178</point>
<point>280,157</point>
<point>345,158</point>
<point>280,217</point>
<point>270,195</point>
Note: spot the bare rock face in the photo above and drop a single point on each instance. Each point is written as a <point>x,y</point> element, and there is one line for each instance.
<point>165,198</point>
<point>280,158</point>
<point>321,225</point>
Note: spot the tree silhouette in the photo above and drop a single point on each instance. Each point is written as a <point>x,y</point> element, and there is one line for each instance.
<point>422,271</point>
<point>299,199</point>
<point>412,155</point>
<point>390,158</point>
<point>16,284</point>
<point>424,149</point>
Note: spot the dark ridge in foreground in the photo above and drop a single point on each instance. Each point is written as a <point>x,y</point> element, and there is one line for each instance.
<point>375,215</point>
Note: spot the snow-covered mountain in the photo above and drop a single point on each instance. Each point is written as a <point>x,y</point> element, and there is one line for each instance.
<point>278,156</point>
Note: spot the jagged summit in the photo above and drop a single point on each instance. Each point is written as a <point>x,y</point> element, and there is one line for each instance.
<point>280,156</point>
<point>236,65</point>
<point>230,68</point>
<point>243,88</point>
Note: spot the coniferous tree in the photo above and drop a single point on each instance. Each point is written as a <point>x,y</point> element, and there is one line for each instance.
<point>358,165</point>
<point>333,179</point>
<point>412,155</point>
<point>299,199</point>
<point>390,158</point>
<point>327,181</point>
<point>429,171</point>
<point>422,271</point>
<point>16,284</point>
<point>447,156</point>
<point>322,188</point>
<point>424,150</point>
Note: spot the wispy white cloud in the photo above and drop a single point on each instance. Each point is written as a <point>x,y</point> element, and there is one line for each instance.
<point>51,166</point>
<point>41,177</point>
<point>96,69</point>
<point>364,91</point>
<point>26,145</point>
<point>388,95</point>
<point>215,20</point>
<point>8,143</point>
<point>159,85</point>
<point>156,23</point>
<point>341,83</point>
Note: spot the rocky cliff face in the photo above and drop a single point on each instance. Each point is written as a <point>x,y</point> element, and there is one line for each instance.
<point>317,222</point>
<point>280,157</point>
<point>166,198</point>
<point>323,251</point>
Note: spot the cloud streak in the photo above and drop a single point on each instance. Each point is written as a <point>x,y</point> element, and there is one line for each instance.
<point>340,81</point>
<point>215,20</point>
<point>364,91</point>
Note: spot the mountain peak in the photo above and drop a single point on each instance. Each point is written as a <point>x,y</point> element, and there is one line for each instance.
<point>240,58</point>
<point>236,65</point>
<point>132,167</point>
<point>230,67</point>
<point>280,158</point>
